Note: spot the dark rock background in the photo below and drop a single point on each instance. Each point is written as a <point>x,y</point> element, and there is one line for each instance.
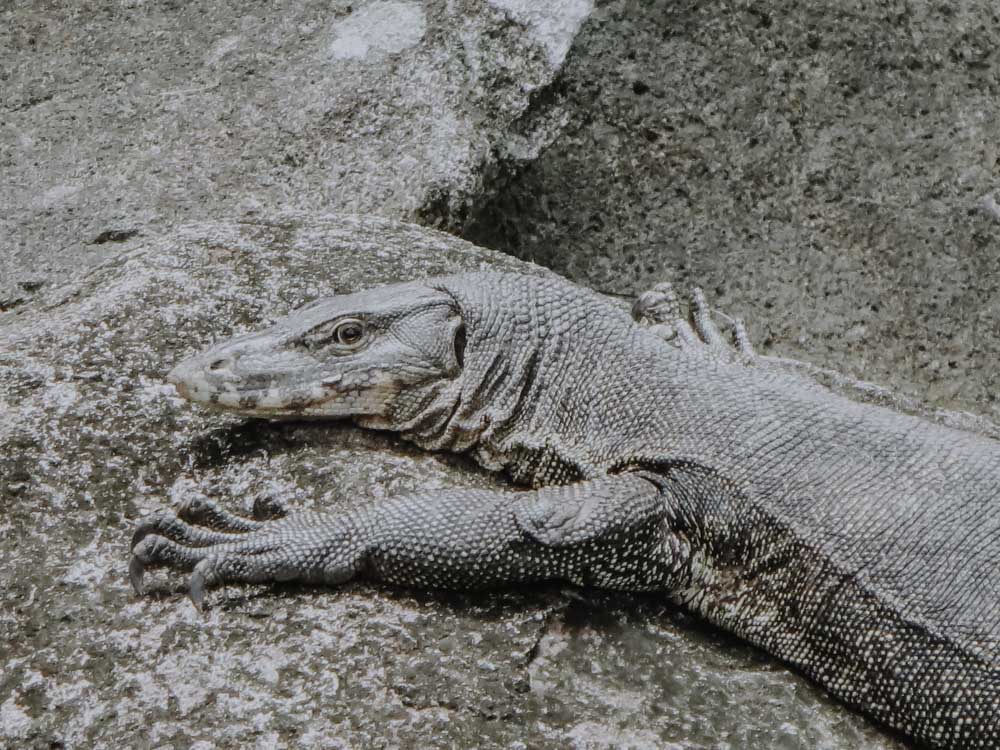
<point>828,171</point>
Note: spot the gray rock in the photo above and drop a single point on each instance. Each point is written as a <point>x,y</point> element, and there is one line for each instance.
<point>828,171</point>
<point>126,117</point>
<point>91,439</point>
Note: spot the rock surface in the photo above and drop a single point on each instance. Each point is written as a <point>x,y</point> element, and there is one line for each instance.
<point>91,439</point>
<point>828,171</point>
<point>128,116</point>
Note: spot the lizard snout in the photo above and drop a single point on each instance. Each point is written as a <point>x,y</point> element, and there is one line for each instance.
<point>178,377</point>
<point>195,379</point>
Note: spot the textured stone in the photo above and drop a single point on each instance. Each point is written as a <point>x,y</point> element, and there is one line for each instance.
<point>828,171</point>
<point>123,117</point>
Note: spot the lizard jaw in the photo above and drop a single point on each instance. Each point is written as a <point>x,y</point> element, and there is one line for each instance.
<point>329,396</point>
<point>197,383</point>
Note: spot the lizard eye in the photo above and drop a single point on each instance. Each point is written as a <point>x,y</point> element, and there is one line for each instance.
<point>348,333</point>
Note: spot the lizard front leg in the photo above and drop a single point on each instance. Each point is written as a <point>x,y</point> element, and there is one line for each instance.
<point>610,532</point>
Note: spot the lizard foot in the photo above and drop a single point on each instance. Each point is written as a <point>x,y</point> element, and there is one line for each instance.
<point>660,309</point>
<point>218,547</point>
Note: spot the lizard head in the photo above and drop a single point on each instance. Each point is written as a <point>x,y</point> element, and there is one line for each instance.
<point>345,356</point>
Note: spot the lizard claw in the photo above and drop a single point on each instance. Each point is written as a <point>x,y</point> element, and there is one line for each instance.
<point>199,578</point>
<point>136,569</point>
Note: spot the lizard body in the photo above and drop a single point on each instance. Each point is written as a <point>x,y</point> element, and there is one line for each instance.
<point>855,542</point>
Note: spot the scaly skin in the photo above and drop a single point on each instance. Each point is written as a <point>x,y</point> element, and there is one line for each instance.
<point>855,542</point>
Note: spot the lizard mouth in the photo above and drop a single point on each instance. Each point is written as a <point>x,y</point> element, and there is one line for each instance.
<point>267,397</point>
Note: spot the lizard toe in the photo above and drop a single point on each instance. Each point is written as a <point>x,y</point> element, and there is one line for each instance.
<point>200,511</point>
<point>171,526</point>
<point>704,326</point>
<point>254,564</point>
<point>741,337</point>
<point>153,524</point>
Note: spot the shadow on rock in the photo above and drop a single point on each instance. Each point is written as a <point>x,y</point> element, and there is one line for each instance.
<point>219,446</point>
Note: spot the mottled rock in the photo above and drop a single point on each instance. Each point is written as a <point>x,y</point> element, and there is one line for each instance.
<point>125,117</point>
<point>91,439</point>
<point>828,171</point>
